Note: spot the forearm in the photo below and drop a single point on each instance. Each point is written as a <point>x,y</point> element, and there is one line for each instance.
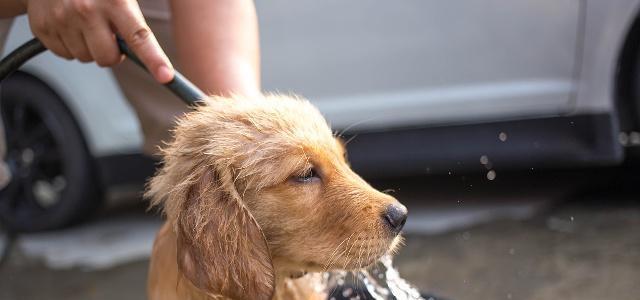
<point>11,8</point>
<point>218,45</point>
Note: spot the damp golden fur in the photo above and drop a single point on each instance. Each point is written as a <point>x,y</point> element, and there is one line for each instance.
<point>257,193</point>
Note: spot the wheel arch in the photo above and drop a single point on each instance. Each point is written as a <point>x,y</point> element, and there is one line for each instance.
<point>628,69</point>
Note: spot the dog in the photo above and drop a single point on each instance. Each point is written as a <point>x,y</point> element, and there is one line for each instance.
<point>259,201</point>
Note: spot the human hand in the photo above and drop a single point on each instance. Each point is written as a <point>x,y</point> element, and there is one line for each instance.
<point>85,30</point>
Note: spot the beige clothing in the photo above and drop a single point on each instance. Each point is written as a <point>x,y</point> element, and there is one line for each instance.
<point>155,9</point>
<point>155,106</point>
<point>5,24</point>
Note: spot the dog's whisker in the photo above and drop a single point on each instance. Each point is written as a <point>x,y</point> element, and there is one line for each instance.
<point>346,250</point>
<point>388,191</point>
<point>369,253</point>
<point>347,256</point>
<point>342,132</point>
<point>381,250</point>
<point>334,256</point>
<point>334,253</point>
<point>349,253</point>
<point>359,259</point>
<point>374,253</point>
<point>350,139</point>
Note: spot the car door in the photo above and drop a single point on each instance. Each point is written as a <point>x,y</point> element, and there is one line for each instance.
<point>386,64</point>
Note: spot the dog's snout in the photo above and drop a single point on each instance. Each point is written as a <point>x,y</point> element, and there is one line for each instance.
<point>395,215</point>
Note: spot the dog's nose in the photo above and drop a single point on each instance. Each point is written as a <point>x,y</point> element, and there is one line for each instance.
<point>395,215</point>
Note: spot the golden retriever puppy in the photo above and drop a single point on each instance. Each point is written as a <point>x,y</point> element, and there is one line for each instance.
<point>259,201</point>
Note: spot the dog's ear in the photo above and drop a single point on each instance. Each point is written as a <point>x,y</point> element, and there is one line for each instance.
<point>221,248</point>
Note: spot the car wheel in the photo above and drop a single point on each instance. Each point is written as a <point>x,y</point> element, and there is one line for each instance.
<point>52,176</point>
<point>636,93</point>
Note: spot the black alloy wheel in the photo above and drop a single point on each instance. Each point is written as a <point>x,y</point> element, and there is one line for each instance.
<point>52,176</point>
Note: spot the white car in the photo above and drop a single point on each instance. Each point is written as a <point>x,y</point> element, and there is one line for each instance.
<point>420,86</point>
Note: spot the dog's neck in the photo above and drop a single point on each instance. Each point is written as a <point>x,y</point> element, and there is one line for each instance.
<point>286,269</point>
<point>308,286</point>
<point>166,281</point>
<point>294,282</point>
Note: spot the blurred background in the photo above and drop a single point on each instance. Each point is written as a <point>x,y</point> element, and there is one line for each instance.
<point>510,129</point>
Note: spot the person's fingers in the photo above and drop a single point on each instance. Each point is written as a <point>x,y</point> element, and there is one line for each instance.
<point>130,23</point>
<point>75,43</point>
<point>102,44</point>
<point>41,27</point>
<point>54,43</point>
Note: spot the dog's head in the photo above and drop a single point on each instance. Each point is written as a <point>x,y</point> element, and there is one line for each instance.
<point>253,184</point>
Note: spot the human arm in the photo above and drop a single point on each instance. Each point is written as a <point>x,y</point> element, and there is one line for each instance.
<point>11,8</point>
<point>85,30</point>
<point>217,44</point>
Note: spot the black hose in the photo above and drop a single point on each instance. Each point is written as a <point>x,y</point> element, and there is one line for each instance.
<point>179,85</point>
<point>19,56</point>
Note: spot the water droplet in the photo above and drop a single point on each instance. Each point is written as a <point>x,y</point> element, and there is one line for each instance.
<point>502,136</point>
<point>634,138</point>
<point>491,175</point>
<point>466,235</point>
<point>27,156</point>
<point>623,138</point>
<point>571,218</point>
<point>512,251</point>
<point>509,296</point>
<point>450,173</point>
<point>59,183</point>
<point>484,159</point>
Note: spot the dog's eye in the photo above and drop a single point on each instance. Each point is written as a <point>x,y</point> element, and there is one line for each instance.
<point>310,176</point>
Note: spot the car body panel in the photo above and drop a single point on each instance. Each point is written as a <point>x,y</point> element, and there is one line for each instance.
<point>380,64</point>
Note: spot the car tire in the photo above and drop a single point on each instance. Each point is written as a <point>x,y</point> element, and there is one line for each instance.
<point>53,181</point>
<point>636,92</point>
